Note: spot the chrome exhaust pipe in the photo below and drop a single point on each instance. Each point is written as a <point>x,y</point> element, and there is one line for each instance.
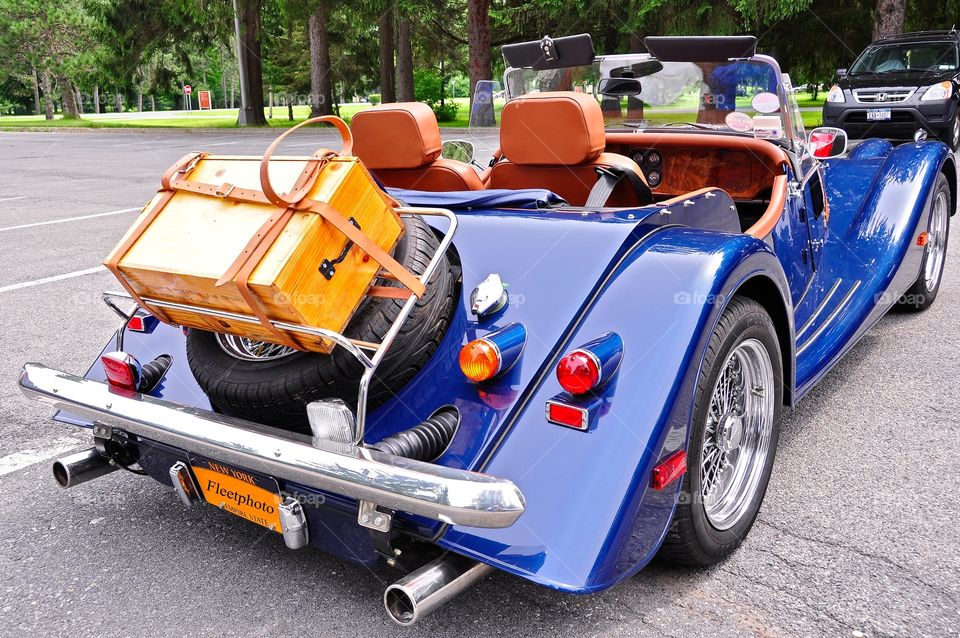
<point>81,467</point>
<point>421,591</point>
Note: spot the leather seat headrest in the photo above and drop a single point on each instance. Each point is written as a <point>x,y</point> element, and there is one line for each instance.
<point>396,136</point>
<point>557,128</point>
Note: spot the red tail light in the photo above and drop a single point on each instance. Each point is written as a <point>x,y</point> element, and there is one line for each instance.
<point>669,470</point>
<point>122,370</point>
<point>578,372</point>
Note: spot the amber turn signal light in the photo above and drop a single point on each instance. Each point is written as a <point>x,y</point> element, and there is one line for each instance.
<point>480,360</point>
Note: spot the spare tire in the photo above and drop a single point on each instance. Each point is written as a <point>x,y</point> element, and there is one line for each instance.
<point>272,384</point>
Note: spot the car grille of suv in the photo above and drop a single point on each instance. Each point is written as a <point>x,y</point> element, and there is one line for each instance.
<point>874,96</point>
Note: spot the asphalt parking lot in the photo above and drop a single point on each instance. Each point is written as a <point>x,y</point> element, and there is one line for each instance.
<point>859,533</point>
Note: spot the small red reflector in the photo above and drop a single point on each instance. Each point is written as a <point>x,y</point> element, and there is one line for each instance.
<point>120,370</point>
<point>922,238</point>
<point>568,415</point>
<point>136,324</point>
<point>578,372</point>
<point>669,470</point>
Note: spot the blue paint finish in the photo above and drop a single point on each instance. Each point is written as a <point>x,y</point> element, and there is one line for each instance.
<point>509,341</point>
<point>661,299</point>
<point>878,202</point>
<point>659,277</point>
<point>608,349</point>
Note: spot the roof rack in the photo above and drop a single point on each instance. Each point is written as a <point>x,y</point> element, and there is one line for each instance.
<point>913,34</point>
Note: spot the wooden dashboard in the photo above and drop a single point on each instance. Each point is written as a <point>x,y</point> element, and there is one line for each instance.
<point>680,163</point>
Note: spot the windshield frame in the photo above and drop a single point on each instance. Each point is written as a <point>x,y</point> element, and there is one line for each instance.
<point>793,132</point>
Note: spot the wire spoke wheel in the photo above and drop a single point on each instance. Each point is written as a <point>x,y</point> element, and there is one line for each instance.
<point>738,432</point>
<point>936,240</point>
<point>252,350</point>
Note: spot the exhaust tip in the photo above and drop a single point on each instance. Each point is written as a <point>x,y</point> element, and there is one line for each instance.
<point>61,474</point>
<point>400,605</point>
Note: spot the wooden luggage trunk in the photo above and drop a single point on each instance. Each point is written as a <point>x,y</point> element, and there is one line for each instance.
<point>212,239</point>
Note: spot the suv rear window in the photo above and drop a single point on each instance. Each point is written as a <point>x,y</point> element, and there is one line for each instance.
<point>907,56</point>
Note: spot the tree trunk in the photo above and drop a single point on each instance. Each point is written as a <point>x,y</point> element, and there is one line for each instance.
<point>79,97</point>
<point>223,80</point>
<point>889,17</point>
<point>96,98</point>
<point>404,59</point>
<point>117,102</point>
<point>481,63</point>
<point>68,99</point>
<point>140,100</point>
<point>385,31</point>
<point>249,47</point>
<point>36,92</point>
<point>153,103</point>
<point>47,99</point>
<point>321,84</point>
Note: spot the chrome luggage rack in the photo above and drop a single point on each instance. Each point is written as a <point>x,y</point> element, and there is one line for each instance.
<point>355,347</point>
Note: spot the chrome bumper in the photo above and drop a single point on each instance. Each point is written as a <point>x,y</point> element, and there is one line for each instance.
<point>434,491</point>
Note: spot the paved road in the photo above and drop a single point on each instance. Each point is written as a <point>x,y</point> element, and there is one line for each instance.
<point>859,531</point>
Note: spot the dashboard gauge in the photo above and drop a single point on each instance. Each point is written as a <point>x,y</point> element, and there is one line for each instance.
<point>654,158</point>
<point>637,156</point>
<point>653,178</point>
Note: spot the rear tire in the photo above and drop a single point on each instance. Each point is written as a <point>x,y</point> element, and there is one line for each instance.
<point>736,420</point>
<point>274,390</point>
<point>923,292</point>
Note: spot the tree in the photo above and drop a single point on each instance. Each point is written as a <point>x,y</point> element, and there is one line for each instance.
<point>321,80</point>
<point>481,63</point>
<point>385,31</point>
<point>404,56</point>
<point>52,39</point>
<point>889,17</point>
<point>248,20</point>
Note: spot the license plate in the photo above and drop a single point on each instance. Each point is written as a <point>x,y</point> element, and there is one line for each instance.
<point>242,493</point>
<point>875,115</point>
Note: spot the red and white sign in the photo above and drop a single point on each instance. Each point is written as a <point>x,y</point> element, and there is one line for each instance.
<point>203,99</point>
<point>187,89</point>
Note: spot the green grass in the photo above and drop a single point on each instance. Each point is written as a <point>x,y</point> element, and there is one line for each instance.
<point>205,119</point>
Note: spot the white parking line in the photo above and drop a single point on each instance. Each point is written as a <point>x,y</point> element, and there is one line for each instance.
<point>47,280</point>
<point>12,199</point>
<point>69,219</point>
<point>26,458</point>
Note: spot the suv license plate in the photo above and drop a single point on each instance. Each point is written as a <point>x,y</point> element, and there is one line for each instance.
<point>875,115</point>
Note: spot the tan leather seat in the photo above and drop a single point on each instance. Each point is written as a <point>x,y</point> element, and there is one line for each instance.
<point>400,144</point>
<point>555,140</point>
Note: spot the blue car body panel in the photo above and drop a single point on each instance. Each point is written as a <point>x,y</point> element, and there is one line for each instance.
<point>660,278</point>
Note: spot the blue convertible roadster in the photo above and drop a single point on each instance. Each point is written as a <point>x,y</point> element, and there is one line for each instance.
<point>656,261</point>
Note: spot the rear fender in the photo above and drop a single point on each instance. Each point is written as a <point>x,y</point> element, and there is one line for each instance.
<point>592,518</point>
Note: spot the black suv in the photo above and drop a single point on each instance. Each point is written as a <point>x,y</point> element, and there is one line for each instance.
<point>900,84</point>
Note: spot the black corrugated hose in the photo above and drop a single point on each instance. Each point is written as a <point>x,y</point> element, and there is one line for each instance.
<point>426,441</point>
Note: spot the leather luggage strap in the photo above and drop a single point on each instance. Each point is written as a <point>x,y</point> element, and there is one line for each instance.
<point>182,166</point>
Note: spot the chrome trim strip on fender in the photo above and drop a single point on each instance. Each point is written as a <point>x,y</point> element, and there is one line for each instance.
<point>816,313</point>
<point>441,493</point>
<point>833,315</point>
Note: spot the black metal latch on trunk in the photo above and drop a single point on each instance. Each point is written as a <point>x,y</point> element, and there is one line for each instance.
<point>328,268</point>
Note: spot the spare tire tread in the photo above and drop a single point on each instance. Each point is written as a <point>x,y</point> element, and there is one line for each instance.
<point>276,392</point>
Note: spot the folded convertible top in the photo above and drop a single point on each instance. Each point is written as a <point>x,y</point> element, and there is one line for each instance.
<point>532,198</point>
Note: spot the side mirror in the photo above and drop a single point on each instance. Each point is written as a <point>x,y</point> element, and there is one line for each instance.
<point>841,73</point>
<point>619,87</point>
<point>460,150</point>
<point>827,142</point>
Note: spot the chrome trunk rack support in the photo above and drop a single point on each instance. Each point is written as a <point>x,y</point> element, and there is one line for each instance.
<point>358,349</point>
